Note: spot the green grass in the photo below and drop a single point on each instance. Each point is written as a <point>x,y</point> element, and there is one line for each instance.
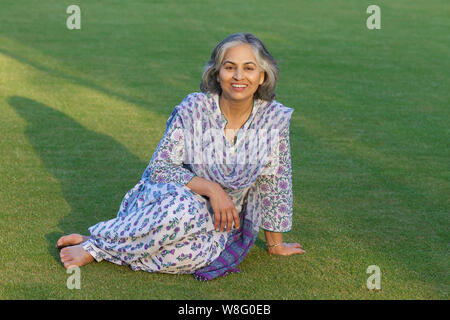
<point>82,112</point>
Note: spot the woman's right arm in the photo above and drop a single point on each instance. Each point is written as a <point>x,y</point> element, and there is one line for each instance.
<point>166,166</point>
<point>224,209</point>
<point>203,186</point>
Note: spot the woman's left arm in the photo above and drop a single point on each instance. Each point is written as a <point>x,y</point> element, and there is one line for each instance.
<point>166,164</point>
<point>277,203</point>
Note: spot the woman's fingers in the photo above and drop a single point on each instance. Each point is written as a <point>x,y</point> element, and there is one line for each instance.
<point>226,225</point>
<point>220,220</point>
<point>217,217</point>
<point>233,217</point>
<point>225,212</point>
<point>223,221</point>
<point>237,221</point>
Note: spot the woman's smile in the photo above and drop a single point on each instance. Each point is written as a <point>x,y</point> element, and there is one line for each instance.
<point>179,233</point>
<point>240,75</point>
<point>239,87</point>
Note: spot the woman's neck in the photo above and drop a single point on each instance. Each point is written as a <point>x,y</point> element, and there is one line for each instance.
<point>236,112</point>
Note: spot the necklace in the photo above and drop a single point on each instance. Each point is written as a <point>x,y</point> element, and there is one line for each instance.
<point>230,133</point>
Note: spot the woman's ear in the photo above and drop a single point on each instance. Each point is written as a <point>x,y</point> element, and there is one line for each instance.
<point>262,77</point>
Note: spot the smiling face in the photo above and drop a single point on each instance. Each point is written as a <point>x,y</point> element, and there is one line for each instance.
<point>240,75</point>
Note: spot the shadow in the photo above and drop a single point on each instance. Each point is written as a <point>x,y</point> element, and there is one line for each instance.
<point>260,244</point>
<point>76,80</point>
<point>93,170</point>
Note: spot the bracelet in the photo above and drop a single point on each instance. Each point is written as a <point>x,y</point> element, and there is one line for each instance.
<point>274,245</point>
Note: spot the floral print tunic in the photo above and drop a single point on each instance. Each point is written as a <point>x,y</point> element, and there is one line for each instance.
<point>163,226</point>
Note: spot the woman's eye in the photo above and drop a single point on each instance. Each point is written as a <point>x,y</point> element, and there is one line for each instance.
<point>245,68</point>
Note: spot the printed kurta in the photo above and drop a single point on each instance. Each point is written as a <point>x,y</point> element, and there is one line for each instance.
<point>163,226</point>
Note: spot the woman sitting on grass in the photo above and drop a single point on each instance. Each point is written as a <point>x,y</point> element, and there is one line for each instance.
<point>221,171</point>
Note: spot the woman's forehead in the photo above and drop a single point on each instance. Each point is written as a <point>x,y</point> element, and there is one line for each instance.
<point>242,53</point>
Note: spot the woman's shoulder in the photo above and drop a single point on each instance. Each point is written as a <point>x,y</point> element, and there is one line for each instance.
<point>192,100</point>
<point>275,107</point>
<point>275,114</point>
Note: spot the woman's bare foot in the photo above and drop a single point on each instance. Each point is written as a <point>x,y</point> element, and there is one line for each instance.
<point>75,256</point>
<point>287,249</point>
<point>71,240</point>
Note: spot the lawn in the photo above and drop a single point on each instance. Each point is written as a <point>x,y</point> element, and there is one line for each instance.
<point>81,112</point>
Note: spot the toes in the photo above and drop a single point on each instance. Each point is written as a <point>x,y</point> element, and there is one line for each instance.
<point>71,240</point>
<point>68,260</point>
<point>294,245</point>
<point>64,259</point>
<point>75,256</point>
<point>65,254</point>
<point>59,242</point>
<point>62,241</point>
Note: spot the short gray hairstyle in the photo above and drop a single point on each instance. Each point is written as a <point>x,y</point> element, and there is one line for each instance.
<point>266,91</point>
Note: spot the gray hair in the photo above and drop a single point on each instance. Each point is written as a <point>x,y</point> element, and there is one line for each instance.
<point>266,91</point>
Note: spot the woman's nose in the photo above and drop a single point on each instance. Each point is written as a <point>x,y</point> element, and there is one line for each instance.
<point>238,75</point>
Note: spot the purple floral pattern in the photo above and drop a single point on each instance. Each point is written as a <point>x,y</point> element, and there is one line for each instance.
<point>276,191</point>
<point>163,226</point>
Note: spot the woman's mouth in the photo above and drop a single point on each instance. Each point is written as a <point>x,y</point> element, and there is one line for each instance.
<point>239,87</point>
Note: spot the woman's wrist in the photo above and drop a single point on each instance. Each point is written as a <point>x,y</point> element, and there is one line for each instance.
<point>203,186</point>
<point>211,188</point>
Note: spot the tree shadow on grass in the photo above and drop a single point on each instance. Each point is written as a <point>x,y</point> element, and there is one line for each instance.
<point>94,170</point>
<point>86,83</point>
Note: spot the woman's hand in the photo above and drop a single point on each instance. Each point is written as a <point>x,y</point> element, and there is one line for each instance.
<point>286,249</point>
<point>224,210</point>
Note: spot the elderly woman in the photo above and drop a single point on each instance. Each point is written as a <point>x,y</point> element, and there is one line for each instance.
<point>220,173</point>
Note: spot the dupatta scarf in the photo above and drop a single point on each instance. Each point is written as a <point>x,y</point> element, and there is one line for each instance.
<point>208,154</point>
